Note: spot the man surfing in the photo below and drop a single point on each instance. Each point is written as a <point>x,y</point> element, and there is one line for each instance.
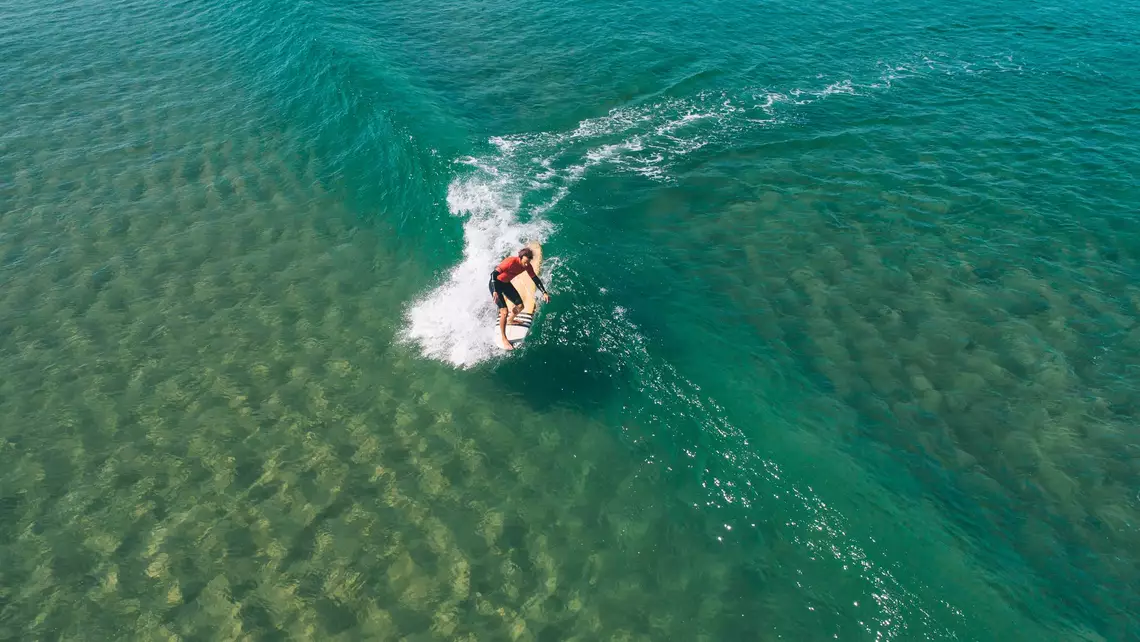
<point>502,289</point>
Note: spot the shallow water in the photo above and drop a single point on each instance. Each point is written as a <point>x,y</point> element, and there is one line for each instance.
<point>843,342</point>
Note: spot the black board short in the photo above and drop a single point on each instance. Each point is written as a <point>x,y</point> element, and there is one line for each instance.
<point>507,291</point>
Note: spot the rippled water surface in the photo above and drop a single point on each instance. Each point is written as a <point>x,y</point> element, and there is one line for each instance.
<point>843,342</point>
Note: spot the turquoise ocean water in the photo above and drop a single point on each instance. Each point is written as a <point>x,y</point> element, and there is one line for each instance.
<point>843,343</point>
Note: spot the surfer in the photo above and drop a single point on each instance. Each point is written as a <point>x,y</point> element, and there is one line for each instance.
<point>502,289</point>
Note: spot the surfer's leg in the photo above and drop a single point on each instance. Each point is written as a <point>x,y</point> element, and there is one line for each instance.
<point>501,301</point>
<point>503,330</point>
<point>516,303</point>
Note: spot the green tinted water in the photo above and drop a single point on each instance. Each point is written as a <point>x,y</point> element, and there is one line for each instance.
<point>843,342</point>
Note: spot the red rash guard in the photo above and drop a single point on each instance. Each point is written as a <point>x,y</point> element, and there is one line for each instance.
<point>512,267</point>
<point>509,269</point>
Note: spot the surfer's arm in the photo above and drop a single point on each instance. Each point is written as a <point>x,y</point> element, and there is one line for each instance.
<point>541,288</point>
<point>491,285</point>
<point>537,281</point>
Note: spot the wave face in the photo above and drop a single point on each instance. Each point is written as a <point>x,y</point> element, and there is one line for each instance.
<point>504,196</point>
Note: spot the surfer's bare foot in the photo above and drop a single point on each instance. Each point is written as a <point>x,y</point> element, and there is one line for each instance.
<point>506,344</point>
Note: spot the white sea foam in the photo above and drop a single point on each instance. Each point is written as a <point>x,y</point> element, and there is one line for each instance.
<point>505,195</point>
<point>455,321</point>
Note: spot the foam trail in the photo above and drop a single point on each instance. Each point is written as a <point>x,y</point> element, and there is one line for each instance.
<point>525,177</point>
<point>455,323</point>
<point>505,194</point>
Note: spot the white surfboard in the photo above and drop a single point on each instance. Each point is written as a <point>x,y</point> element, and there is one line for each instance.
<point>518,331</point>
